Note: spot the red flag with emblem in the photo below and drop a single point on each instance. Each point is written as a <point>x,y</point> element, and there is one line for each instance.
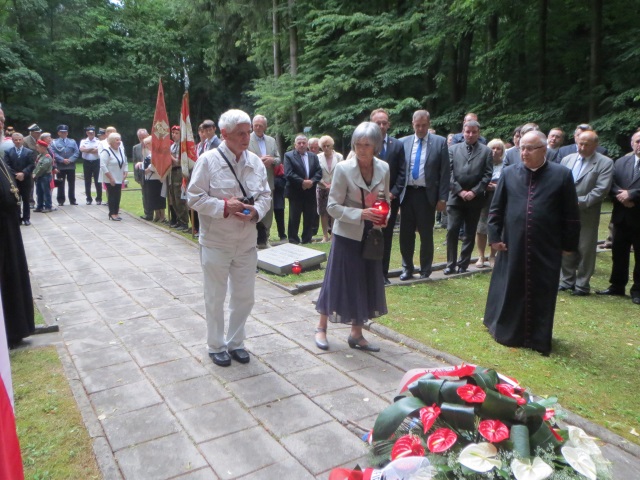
<point>188,154</point>
<point>160,136</point>
<point>10,459</point>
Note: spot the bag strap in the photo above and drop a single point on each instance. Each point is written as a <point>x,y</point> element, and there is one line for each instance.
<point>362,195</point>
<point>244,193</point>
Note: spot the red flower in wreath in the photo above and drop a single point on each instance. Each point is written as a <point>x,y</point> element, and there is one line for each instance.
<point>441,440</point>
<point>460,371</point>
<point>511,392</point>
<point>471,393</point>
<point>428,416</point>
<point>493,430</point>
<point>407,446</point>
<point>549,414</point>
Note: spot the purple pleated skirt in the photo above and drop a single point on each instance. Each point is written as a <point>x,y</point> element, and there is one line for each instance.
<point>353,288</point>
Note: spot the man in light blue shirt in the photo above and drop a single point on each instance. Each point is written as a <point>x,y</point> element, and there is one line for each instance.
<point>89,148</point>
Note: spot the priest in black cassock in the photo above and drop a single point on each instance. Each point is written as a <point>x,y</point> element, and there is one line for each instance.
<point>533,220</point>
<point>15,286</point>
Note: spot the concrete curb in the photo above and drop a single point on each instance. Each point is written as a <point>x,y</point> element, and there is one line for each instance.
<point>571,418</point>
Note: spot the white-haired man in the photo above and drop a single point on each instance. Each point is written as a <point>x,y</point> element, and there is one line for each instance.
<point>266,148</point>
<point>230,191</point>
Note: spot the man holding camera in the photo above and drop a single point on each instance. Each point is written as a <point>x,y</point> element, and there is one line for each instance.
<point>230,191</point>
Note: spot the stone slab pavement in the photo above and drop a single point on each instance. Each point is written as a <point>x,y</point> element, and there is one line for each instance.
<point>128,299</point>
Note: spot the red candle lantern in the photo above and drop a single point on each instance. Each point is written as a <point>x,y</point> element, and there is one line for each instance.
<point>296,268</point>
<point>382,206</point>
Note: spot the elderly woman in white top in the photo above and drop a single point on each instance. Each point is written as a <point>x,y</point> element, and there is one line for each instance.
<point>328,159</point>
<point>497,151</point>
<point>113,171</point>
<point>353,287</point>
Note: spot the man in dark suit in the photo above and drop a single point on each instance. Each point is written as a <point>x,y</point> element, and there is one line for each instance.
<point>21,162</point>
<point>573,148</point>
<point>555,139</point>
<point>625,218</point>
<point>425,191</point>
<point>393,153</point>
<point>302,171</point>
<point>471,170</point>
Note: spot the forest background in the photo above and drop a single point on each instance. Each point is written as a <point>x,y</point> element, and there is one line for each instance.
<point>323,65</point>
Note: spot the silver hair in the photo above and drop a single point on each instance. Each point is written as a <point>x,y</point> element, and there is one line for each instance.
<point>141,131</point>
<point>541,136</point>
<point>230,119</point>
<point>314,140</point>
<point>113,137</point>
<point>16,135</point>
<point>260,117</point>
<point>420,114</point>
<point>300,136</point>
<point>471,123</point>
<point>369,131</point>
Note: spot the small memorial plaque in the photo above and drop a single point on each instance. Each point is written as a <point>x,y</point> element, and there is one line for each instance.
<point>279,259</point>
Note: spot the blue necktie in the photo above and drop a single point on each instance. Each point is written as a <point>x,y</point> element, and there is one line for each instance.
<point>383,153</point>
<point>416,162</point>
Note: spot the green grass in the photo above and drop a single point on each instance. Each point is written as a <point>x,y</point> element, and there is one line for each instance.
<point>53,438</point>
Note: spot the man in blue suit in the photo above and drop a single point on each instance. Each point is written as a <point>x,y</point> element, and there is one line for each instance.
<point>66,152</point>
<point>426,190</point>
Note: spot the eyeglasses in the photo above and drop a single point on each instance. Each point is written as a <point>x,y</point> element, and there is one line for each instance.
<point>527,148</point>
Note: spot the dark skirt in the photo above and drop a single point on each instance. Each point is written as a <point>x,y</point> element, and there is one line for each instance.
<point>322,197</point>
<point>353,288</point>
<point>152,191</point>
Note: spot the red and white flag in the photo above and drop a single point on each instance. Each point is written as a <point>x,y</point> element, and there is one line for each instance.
<point>160,136</point>
<point>10,459</point>
<point>188,155</point>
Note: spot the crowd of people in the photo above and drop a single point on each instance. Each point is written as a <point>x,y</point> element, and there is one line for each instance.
<point>535,204</point>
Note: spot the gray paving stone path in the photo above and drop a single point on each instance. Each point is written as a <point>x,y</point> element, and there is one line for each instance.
<point>128,299</point>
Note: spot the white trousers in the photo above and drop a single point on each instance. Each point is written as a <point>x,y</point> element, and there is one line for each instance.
<point>237,269</point>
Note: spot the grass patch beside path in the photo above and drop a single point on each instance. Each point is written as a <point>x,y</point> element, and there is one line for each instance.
<point>593,368</point>
<point>53,438</point>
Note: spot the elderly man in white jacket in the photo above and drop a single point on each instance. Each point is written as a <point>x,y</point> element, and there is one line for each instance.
<point>230,191</point>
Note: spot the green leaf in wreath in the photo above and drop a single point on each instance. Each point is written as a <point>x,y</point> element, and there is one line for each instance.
<point>391,417</point>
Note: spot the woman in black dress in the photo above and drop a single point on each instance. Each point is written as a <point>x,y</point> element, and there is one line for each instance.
<point>353,288</point>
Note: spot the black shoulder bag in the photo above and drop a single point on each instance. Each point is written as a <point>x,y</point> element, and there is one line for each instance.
<point>372,239</point>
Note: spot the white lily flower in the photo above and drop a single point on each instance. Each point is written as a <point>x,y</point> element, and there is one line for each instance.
<point>580,461</point>
<point>479,457</point>
<point>528,470</point>
<point>579,439</point>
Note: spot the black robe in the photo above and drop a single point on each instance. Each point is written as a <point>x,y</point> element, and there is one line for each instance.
<point>536,215</point>
<point>15,286</point>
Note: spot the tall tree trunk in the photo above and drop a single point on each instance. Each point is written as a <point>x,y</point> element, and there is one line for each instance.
<point>464,58</point>
<point>277,61</point>
<point>293,60</point>
<point>453,73</point>
<point>543,16</point>
<point>595,64</point>
<point>277,58</point>
<point>492,64</point>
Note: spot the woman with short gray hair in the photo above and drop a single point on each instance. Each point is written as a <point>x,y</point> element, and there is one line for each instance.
<point>353,287</point>
<point>113,171</point>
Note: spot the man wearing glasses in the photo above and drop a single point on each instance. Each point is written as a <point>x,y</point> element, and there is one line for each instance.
<point>533,221</point>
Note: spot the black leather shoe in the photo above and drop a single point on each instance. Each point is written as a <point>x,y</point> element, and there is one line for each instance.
<point>406,275</point>
<point>448,271</point>
<point>611,291</point>
<point>240,355</point>
<point>27,222</point>
<point>73,203</point>
<point>579,293</point>
<point>148,219</point>
<point>424,275</point>
<point>221,359</point>
<point>387,281</point>
<point>462,270</point>
<point>98,202</point>
<point>564,289</point>
<point>636,299</point>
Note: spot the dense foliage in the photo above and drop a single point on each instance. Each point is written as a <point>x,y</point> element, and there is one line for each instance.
<point>324,65</point>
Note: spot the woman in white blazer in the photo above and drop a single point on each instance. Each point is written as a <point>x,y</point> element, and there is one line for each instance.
<point>353,288</point>
<point>113,171</point>
<point>328,161</point>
